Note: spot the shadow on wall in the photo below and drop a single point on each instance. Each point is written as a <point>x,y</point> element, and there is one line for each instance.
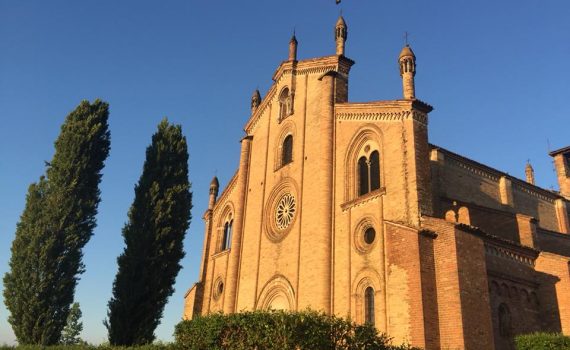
<point>519,308</point>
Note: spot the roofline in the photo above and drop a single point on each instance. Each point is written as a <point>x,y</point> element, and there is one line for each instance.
<point>500,173</point>
<point>558,151</point>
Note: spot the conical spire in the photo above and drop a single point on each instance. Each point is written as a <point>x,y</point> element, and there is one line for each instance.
<point>293,48</point>
<point>255,100</point>
<point>340,35</point>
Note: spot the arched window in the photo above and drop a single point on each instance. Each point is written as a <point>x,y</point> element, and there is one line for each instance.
<point>287,151</point>
<point>368,173</point>
<point>504,320</point>
<point>227,238</point>
<point>285,104</point>
<point>369,306</point>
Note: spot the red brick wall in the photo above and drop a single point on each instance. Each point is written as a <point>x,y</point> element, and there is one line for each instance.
<point>462,288</point>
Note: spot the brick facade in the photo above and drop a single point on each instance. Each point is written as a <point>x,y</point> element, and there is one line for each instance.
<point>365,219</point>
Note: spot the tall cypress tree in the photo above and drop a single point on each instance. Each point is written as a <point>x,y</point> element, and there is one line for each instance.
<point>57,222</point>
<point>158,220</point>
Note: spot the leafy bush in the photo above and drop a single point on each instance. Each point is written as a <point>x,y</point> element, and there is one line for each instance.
<point>542,341</point>
<point>155,346</point>
<point>305,330</point>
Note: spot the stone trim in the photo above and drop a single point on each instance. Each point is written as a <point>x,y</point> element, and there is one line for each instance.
<point>221,253</point>
<point>226,192</point>
<point>363,199</point>
<point>502,252</point>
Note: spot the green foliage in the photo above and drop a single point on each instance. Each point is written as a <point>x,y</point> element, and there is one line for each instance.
<point>542,341</point>
<point>305,330</point>
<point>73,327</point>
<point>58,220</point>
<point>156,346</point>
<point>158,220</point>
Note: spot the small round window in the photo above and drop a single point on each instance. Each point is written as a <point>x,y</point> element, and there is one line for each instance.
<point>369,235</point>
<point>365,236</point>
<point>218,288</point>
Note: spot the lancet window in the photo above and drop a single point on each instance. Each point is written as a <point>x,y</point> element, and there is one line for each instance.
<point>287,150</point>
<point>369,305</point>
<point>285,104</point>
<point>227,234</point>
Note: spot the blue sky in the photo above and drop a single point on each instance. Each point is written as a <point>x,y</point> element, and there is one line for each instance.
<point>496,72</point>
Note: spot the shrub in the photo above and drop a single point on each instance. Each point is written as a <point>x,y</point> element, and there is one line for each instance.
<point>542,341</point>
<point>269,330</point>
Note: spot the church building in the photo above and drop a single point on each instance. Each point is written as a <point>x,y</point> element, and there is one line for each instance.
<point>347,208</point>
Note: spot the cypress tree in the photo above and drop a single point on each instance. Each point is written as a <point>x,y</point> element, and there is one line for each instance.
<point>157,222</point>
<point>58,220</point>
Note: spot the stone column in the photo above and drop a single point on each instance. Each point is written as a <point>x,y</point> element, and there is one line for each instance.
<point>235,252</point>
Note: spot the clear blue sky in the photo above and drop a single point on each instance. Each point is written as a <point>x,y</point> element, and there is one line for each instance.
<point>497,73</point>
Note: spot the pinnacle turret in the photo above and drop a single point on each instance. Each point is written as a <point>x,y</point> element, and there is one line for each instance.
<point>340,35</point>
<point>255,100</point>
<point>293,48</point>
<point>407,63</point>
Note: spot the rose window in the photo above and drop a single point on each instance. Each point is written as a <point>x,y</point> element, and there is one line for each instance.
<point>285,211</point>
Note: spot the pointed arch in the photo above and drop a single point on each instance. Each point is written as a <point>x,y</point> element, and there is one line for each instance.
<point>277,293</point>
<point>368,137</point>
<point>224,228</point>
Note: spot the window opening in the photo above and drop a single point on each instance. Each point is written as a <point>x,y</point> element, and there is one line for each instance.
<point>227,239</point>
<point>362,176</point>
<point>374,171</point>
<point>287,152</point>
<point>504,321</point>
<point>368,173</point>
<point>369,235</point>
<point>369,306</point>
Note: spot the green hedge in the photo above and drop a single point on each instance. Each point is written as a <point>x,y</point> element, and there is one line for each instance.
<point>156,346</point>
<point>542,341</point>
<point>305,330</point>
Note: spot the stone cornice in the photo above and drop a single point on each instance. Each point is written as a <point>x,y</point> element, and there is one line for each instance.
<point>335,63</point>
<point>395,110</point>
<point>226,192</point>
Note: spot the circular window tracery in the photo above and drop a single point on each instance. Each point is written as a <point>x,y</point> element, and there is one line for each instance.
<point>281,210</point>
<point>285,211</point>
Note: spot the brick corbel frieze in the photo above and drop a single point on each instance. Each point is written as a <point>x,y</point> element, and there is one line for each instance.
<point>501,247</point>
